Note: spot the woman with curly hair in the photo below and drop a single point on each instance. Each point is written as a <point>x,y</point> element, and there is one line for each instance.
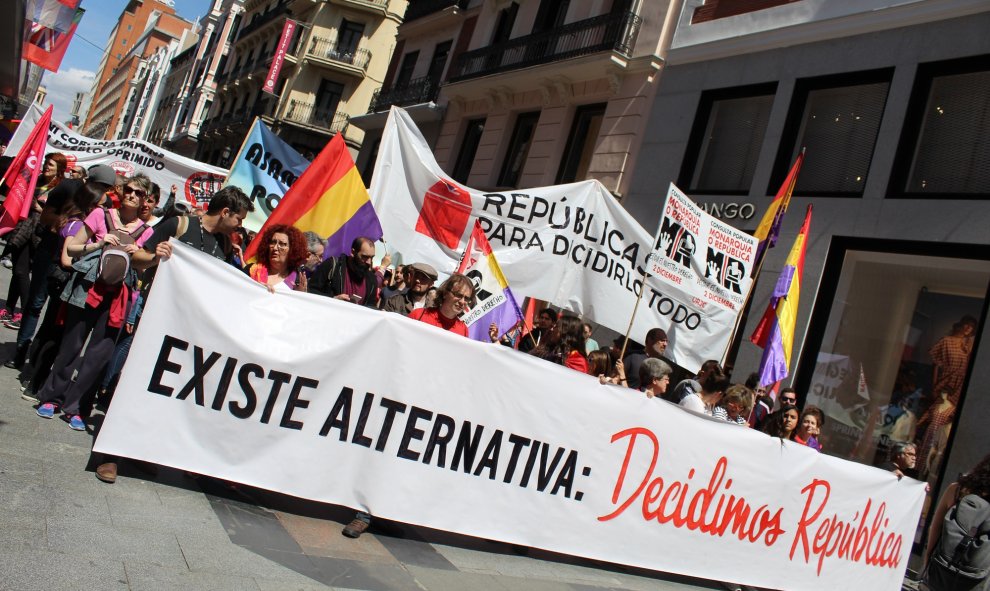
<point>975,482</point>
<point>564,344</point>
<point>281,252</point>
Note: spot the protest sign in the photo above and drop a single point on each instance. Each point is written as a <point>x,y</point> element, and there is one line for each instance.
<point>194,181</point>
<point>573,245</point>
<point>264,169</point>
<point>286,392</point>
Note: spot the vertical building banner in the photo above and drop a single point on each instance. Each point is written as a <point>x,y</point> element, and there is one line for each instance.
<point>283,48</point>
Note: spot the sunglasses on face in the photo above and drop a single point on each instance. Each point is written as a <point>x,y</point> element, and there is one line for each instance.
<point>789,400</point>
<point>137,192</point>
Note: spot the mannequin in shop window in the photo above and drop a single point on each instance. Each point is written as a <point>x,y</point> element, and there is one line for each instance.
<point>937,422</point>
<point>950,358</point>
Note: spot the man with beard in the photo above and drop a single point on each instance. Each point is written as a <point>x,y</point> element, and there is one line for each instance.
<point>903,459</point>
<point>419,278</point>
<point>349,277</point>
<point>656,346</point>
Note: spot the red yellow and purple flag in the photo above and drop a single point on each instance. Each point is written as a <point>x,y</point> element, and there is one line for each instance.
<point>775,332</point>
<point>769,227</point>
<point>496,304</point>
<point>22,176</point>
<point>329,198</point>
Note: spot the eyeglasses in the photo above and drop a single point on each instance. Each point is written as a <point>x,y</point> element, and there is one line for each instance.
<point>464,297</point>
<point>278,245</point>
<point>132,191</point>
<point>789,400</point>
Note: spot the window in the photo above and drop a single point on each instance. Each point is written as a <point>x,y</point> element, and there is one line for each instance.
<point>439,60</point>
<point>349,37</point>
<point>406,69</point>
<point>469,148</point>
<point>503,27</point>
<point>837,119</point>
<point>726,140</point>
<point>327,99</point>
<point>945,145</point>
<point>581,143</point>
<point>515,156</point>
<point>907,315</point>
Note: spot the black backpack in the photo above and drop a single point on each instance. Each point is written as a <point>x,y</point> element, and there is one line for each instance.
<point>961,560</point>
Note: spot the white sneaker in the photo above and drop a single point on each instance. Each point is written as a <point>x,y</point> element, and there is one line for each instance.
<point>6,263</point>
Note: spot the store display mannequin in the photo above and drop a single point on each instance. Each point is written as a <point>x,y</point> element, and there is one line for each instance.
<point>938,422</point>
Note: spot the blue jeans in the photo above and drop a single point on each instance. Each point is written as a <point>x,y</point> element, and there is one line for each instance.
<point>37,294</point>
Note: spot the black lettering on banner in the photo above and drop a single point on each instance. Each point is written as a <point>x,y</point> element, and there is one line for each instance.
<point>278,379</point>
<point>295,402</point>
<point>224,385</point>
<point>518,443</point>
<point>467,447</point>
<point>251,398</point>
<point>489,459</point>
<point>438,441</point>
<point>340,414</point>
<point>411,432</point>
<point>163,365</point>
<point>359,437</point>
<point>200,367</point>
<point>391,408</point>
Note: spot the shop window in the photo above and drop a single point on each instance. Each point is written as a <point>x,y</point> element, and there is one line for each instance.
<point>515,156</point>
<point>726,140</point>
<point>945,146</point>
<point>904,316</point>
<point>837,119</point>
<point>581,143</point>
<point>469,148</point>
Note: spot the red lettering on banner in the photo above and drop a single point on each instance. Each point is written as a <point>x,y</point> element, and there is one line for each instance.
<point>711,510</point>
<point>847,540</point>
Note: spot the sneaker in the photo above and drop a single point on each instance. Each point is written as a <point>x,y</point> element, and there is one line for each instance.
<point>30,396</point>
<point>5,315</point>
<point>6,263</point>
<point>47,410</point>
<point>76,423</point>
<point>355,528</point>
<point>14,322</point>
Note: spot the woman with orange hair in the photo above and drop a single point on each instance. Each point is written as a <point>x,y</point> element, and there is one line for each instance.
<point>281,252</point>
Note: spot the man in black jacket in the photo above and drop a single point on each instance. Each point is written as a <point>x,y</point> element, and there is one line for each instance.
<point>349,277</point>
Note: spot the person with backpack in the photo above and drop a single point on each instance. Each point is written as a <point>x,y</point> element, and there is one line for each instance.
<point>97,299</point>
<point>957,555</point>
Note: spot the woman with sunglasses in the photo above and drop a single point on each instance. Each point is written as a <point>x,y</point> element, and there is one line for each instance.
<point>92,306</point>
<point>281,254</point>
<point>455,296</point>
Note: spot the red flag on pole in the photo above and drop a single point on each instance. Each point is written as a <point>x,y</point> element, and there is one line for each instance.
<point>22,176</point>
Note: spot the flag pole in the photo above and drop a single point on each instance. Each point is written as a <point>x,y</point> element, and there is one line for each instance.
<point>632,319</point>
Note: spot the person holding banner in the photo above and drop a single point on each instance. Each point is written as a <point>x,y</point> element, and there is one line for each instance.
<point>455,297</point>
<point>564,344</point>
<point>419,278</point>
<point>782,423</point>
<point>654,375</point>
<point>94,309</point>
<point>544,324</point>
<point>349,277</point>
<point>281,255</point>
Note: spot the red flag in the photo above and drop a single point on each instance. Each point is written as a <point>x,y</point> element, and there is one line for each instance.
<point>22,176</point>
<point>46,46</point>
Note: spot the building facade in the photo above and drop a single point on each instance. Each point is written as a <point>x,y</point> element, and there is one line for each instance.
<point>897,168</point>
<point>142,28</point>
<point>337,56</point>
<point>524,94</point>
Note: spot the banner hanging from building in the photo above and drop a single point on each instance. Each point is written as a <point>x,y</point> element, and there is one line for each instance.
<point>264,169</point>
<point>481,440</point>
<point>196,180</point>
<point>288,29</point>
<point>51,32</point>
<point>572,245</point>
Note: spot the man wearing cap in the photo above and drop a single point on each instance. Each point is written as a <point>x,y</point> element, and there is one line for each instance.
<point>419,278</point>
<point>46,256</point>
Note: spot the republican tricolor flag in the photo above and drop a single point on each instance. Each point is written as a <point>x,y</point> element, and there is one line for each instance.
<point>22,175</point>
<point>769,227</point>
<point>329,198</point>
<point>775,332</point>
<point>496,304</point>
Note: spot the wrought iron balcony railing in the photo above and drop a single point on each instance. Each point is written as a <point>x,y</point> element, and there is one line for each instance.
<point>260,20</point>
<point>307,114</point>
<point>326,49</point>
<point>418,90</point>
<point>608,32</point>
<point>420,8</point>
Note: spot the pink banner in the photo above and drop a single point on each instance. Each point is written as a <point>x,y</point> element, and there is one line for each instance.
<point>283,47</point>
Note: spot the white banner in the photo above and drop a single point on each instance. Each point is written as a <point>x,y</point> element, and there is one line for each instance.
<point>194,180</point>
<point>341,404</point>
<point>572,245</point>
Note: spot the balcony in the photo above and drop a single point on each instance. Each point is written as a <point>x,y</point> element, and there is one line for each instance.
<point>377,7</point>
<point>608,32</point>
<point>347,60</point>
<point>418,90</point>
<point>420,8</point>
<point>323,120</point>
<point>262,19</point>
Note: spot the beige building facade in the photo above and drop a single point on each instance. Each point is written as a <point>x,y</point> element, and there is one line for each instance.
<point>337,57</point>
<point>530,93</point>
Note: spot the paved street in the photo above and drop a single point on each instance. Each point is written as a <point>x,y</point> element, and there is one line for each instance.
<point>64,529</point>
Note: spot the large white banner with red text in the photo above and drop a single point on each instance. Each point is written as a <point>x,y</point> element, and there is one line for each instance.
<point>573,245</point>
<point>193,180</point>
<point>329,401</point>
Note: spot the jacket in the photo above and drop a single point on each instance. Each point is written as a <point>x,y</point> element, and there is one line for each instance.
<point>328,280</point>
